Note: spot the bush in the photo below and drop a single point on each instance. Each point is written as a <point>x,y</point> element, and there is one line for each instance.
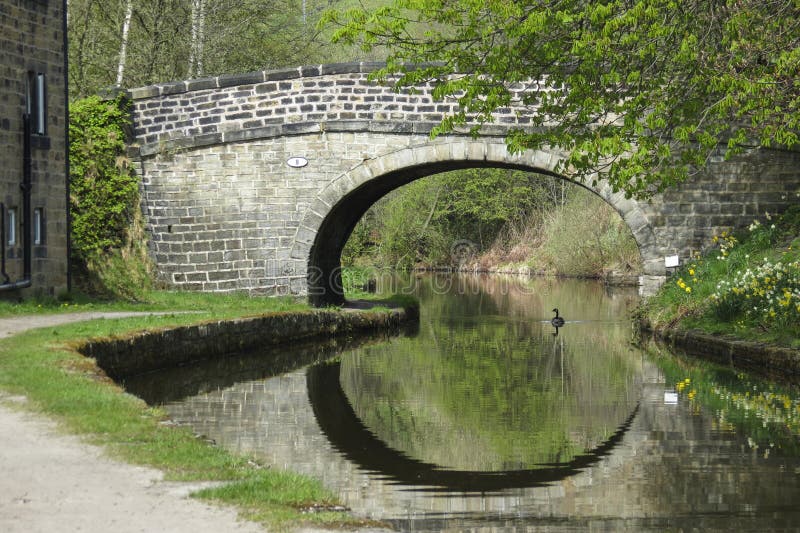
<point>104,190</point>
<point>586,237</point>
<point>107,237</point>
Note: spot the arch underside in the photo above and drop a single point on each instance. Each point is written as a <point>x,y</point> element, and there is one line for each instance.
<point>331,218</point>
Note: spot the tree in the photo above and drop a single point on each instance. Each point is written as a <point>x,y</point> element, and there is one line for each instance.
<point>640,92</point>
<point>123,47</point>
<point>141,42</point>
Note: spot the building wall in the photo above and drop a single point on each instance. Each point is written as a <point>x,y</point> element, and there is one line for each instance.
<point>32,43</point>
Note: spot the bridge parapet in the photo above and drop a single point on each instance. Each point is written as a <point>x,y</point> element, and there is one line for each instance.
<point>279,103</point>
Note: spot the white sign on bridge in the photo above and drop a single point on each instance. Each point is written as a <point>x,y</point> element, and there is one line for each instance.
<point>297,162</point>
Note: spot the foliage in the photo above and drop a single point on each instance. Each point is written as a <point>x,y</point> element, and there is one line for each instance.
<point>125,272</point>
<point>178,39</point>
<point>422,222</point>
<point>104,190</point>
<point>503,216</point>
<point>586,237</point>
<point>479,202</point>
<point>641,92</point>
<point>747,284</point>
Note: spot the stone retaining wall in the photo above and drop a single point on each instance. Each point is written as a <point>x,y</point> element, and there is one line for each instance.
<point>147,351</point>
<point>762,357</point>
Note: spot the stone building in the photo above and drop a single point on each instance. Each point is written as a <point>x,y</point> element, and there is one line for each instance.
<point>33,148</point>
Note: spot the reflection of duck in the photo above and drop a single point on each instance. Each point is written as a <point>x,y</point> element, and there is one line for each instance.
<point>557,321</point>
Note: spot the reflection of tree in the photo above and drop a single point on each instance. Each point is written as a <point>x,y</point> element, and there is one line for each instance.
<point>490,393</point>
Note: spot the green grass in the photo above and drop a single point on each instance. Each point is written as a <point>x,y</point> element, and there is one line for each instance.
<point>43,366</point>
<point>218,305</point>
<point>686,301</point>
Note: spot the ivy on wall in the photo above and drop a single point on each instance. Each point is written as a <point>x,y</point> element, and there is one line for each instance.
<point>104,189</point>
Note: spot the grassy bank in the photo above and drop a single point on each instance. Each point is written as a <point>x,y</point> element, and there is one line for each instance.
<point>747,285</point>
<point>563,230</point>
<point>582,237</point>
<point>206,304</point>
<point>43,366</point>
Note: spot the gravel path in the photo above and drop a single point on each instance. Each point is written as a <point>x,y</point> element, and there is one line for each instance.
<point>51,482</point>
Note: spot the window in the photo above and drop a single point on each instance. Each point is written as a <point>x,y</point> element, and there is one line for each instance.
<point>36,99</point>
<point>11,226</point>
<point>38,226</point>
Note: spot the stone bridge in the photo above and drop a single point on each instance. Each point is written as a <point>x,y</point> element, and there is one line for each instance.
<point>255,181</point>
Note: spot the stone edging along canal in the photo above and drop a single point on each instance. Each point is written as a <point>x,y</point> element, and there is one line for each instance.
<point>723,348</point>
<point>146,351</point>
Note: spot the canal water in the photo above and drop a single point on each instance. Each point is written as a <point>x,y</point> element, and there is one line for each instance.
<point>486,417</point>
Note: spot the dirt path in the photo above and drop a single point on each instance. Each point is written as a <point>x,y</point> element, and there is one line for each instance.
<point>54,482</point>
<point>51,482</point>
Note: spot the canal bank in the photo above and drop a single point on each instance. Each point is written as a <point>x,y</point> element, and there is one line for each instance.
<point>58,481</point>
<point>148,351</point>
<point>739,301</point>
<point>762,357</point>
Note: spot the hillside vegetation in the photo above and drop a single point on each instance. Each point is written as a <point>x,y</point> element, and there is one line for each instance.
<point>494,219</point>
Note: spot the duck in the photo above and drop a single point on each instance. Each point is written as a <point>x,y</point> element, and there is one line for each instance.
<point>557,321</point>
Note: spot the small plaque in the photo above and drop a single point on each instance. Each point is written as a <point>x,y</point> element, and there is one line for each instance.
<point>297,162</point>
<point>670,397</point>
<point>671,261</point>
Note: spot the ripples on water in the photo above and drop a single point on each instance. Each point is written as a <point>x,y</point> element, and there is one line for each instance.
<point>488,418</point>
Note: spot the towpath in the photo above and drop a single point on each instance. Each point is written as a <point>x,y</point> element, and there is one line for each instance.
<point>52,481</point>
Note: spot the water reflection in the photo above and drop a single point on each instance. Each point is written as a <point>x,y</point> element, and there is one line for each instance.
<point>354,440</point>
<point>495,395</point>
<point>485,420</point>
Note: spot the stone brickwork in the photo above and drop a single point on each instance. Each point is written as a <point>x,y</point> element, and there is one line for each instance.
<point>148,351</point>
<point>32,44</point>
<point>226,211</point>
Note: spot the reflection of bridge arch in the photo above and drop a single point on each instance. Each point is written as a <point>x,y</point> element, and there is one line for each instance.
<point>351,438</point>
<point>633,487</point>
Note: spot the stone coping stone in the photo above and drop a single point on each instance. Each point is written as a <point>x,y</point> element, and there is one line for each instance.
<point>232,80</point>
<point>246,78</point>
<point>295,129</point>
<point>147,351</point>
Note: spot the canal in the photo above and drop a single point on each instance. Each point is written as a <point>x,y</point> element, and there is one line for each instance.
<point>486,416</point>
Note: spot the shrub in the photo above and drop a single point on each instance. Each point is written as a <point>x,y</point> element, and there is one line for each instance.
<point>104,190</point>
<point>586,237</point>
<point>108,241</point>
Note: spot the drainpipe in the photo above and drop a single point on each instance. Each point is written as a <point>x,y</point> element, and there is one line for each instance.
<point>25,282</point>
<point>3,272</point>
<point>65,50</point>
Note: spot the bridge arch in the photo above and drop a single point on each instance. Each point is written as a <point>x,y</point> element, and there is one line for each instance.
<point>329,220</point>
<point>225,212</point>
